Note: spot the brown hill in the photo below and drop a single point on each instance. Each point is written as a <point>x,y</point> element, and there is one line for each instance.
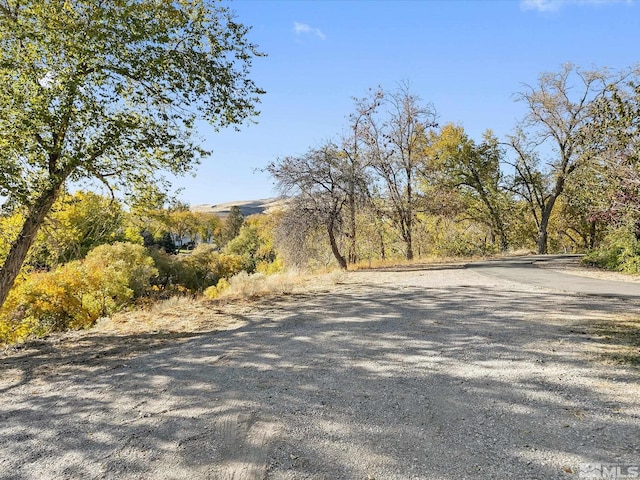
<point>247,207</point>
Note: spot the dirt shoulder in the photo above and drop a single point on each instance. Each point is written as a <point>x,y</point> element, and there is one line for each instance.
<point>436,373</point>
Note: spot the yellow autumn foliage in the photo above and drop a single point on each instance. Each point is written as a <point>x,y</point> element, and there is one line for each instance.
<point>77,293</point>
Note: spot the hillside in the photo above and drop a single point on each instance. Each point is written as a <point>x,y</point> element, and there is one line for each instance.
<point>247,207</point>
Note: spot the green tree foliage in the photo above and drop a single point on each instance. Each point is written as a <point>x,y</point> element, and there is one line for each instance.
<point>620,251</point>
<point>577,218</point>
<point>232,225</point>
<point>474,170</point>
<point>209,227</point>
<point>184,226</point>
<point>77,224</point>
<point>110,91</point>
<point>558,122</point>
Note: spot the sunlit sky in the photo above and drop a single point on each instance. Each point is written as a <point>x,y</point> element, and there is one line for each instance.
<point>467,58</point>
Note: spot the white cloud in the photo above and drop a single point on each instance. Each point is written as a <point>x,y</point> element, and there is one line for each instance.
<point>554,5</point>
<point>304,29</point>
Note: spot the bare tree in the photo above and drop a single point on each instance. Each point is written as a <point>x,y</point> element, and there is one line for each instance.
<point>357,180</point>
<point>323,182</point>
<point>395,130</point>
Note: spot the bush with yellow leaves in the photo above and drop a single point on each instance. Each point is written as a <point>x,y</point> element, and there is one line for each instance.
<point>77,293</point>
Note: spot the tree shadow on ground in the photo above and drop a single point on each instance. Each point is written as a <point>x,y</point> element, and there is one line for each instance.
<point>369,380</point>
<point>623,338</point>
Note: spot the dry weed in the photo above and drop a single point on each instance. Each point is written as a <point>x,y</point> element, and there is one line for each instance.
<point>245,286</point>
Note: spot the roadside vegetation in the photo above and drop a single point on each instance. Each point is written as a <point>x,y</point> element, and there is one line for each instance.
<point>398,183</point>
<point>132,260</point>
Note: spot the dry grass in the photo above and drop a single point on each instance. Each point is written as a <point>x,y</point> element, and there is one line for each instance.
<point>378,264</point>
<point>187,314</point>
<point>244,286</point>
<point>620,340</point>
<point>375,264</point>
<point>176,314</point>
<point>416,262</point>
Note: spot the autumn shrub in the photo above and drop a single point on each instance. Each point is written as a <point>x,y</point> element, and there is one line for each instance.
<point>117,273</point>
<point>168,266</point>
<point>254,243</point>
<point>77,293</point>
<point>47,301</point>
<point>271,267</point>
<point>205,266</point>
<point>215,291</point>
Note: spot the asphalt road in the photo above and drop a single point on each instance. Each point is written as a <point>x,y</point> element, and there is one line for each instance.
<point>538,271</point>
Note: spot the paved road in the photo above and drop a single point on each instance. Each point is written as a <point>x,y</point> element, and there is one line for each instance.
<point>528,270</point>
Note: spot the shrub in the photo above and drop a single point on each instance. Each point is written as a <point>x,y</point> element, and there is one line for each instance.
<point>270,268</point>
<point>254,243</point>
<point>76,294</point>
<point>620,251</point>
<point>205,266</point>
<point>49,301</point>
<point>244,285</point>
<point>214,292</point>
<point>117,273</point>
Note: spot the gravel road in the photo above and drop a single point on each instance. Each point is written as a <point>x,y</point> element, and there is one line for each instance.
<point>438,373</point>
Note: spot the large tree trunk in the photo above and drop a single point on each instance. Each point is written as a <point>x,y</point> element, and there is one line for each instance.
<point>408,240</point>
<point>353,256</point>
<point>342,262</point>
<point>542,241</point>
<point>504,241</point>
<point>592,235</point>
<point>544,223</point>
<point>409,253</point>
<point>383,253</point>
<point>20,247</point>
<point>499,232</point>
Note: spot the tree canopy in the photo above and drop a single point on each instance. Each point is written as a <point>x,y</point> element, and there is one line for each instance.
<point>110,91</point>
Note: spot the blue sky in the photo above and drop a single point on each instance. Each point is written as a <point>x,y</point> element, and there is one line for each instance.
<point>467,58</point>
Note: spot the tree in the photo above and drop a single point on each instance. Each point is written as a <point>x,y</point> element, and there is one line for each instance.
<point>321,182</point>
<point>395,130</point>
<point>110,91</point>
<point>78,223</point>
<point>232,224</point>
<point>208,226</point>
<point>615,134</point>
<point>474,170</point>
<point>355,176</point>
<point>559,113</point>
<point>183,224</point>
<point>254,242</point>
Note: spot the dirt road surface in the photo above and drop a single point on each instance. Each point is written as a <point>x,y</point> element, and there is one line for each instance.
<point>424,373</point>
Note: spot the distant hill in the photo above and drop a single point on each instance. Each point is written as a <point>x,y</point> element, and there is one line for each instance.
<point>247,207</point>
